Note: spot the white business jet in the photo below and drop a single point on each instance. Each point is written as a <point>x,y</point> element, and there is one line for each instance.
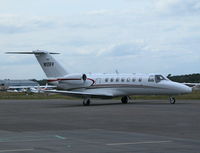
<point>105,85</point>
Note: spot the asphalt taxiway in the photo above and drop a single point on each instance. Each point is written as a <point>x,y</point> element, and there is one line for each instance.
<point>107,126</point>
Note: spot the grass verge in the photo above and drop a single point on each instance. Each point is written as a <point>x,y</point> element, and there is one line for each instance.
<point>195,95</point>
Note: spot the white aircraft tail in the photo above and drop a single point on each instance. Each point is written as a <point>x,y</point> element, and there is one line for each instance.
<point>49,65</point>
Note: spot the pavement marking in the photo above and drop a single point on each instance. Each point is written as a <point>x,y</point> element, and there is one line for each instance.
<point>60,137</point>
<point>31,138</point>
<point>16,150</point>
<point>134,143</point>
<point>8,141</point>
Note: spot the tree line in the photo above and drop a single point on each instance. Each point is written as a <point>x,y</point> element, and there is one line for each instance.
<point>188,78</point>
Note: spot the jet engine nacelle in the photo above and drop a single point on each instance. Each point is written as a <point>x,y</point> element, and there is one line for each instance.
<point>73,81</point>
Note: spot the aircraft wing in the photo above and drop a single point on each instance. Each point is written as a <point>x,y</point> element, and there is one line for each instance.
<point>81,93</point>
<point>192,84</point>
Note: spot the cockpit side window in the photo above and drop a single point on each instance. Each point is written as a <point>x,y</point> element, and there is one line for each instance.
<point>151,78</point>
<point>159,78</point>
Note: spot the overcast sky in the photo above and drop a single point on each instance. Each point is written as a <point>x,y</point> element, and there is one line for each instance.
<point>132,36</point>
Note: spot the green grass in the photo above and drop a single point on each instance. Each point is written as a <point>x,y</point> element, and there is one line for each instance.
<point>195,95</point>
<point>10,95</point>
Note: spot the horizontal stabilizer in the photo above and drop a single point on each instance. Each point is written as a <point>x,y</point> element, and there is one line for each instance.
<point>32,52</point>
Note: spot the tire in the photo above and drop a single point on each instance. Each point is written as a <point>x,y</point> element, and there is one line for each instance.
<point>124,100</point>
<point>172,100</point>
<point>86,102</point>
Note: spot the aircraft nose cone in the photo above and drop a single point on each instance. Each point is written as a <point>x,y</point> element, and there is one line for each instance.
<point>185,89</point>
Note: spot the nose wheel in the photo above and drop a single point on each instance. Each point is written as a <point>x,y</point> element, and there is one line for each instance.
<point>172,100</point>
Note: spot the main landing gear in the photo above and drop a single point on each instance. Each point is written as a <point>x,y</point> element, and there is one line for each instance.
<point>125,99</point>
<point>86,102</point>
<point>172,100</point>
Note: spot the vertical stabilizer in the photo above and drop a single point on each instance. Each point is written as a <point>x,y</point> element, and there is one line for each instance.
<point>50,66</point>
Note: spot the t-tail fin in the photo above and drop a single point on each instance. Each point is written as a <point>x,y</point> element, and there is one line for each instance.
<point>50,66</point>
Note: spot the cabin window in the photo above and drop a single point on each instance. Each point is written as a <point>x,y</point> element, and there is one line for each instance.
<point>151,78</point>
<point>133,79</point>
<point>106,79</point>
<point>122,79</point>
<point>128,79</point>
<point>112,79</point>
<point>117,80</point>
<point>140,79</point>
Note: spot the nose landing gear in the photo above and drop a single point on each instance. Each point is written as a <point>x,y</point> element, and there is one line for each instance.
<point>172,100</point>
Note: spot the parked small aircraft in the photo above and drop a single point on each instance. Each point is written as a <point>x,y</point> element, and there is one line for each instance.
<point>31,89</point>
<point>105,85</point>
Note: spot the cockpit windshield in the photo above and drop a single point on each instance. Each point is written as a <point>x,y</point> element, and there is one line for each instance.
<point>159,78</point>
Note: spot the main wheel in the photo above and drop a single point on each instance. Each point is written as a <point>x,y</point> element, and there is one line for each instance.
<point>125,99</point>
<point>86,102</point>
<point>172,100</point>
